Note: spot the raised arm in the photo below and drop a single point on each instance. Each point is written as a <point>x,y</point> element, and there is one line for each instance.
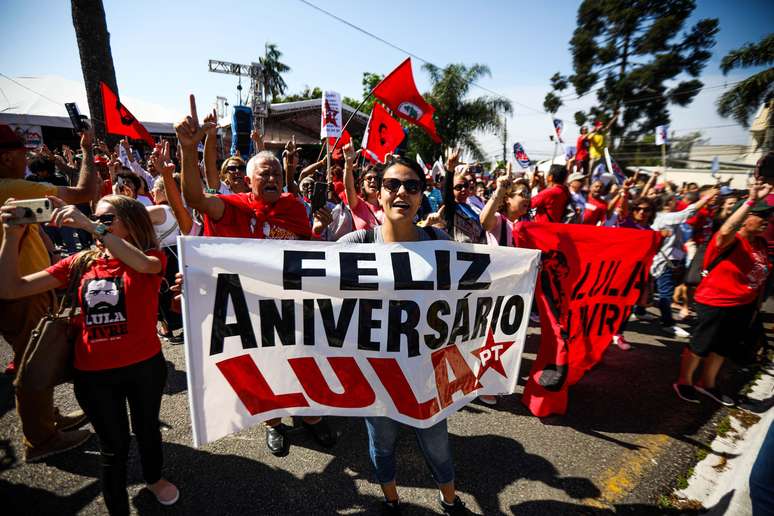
<point>311,169</point>
<point>649,185</point>
<point>189,134</point>
<point>290,162</point>
<point>86,188</point>
<point>488,219</point>
<point>727,232</point>
<point>349,175</point>
<point>166,168</point>
<point>211,152</point>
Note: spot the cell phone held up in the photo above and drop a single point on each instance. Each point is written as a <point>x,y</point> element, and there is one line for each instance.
<point>36,211</point>
<point>319,194</point>
<point>76,118</point>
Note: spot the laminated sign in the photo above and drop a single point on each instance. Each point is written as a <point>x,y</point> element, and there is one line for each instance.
<point>412,331</point>
<point>331,115</point>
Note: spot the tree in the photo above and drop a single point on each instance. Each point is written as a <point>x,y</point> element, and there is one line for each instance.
<point>744,98</point>
<point>633,47</point>
<point>273,69</point>
<point>458,117</point>
<point>96,58</point>
<point>305,94</point>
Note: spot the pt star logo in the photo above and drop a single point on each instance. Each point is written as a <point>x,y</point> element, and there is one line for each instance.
<point>329,115</point>
<point>491,354</point>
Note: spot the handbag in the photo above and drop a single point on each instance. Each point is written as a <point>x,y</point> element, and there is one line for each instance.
<point>48,359</point>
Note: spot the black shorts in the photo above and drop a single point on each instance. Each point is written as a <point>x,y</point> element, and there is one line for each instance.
<point>720,329</point>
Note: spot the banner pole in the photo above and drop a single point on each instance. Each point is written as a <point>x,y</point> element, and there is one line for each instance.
<point>356,111</point>
<point>663,161</point>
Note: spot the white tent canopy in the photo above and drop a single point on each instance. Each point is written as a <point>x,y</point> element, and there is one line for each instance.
<point>40,101</point>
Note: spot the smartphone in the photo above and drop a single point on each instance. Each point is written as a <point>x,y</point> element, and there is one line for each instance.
<point>36,211</point>
<point>76,118</point>
<point>319,194</point>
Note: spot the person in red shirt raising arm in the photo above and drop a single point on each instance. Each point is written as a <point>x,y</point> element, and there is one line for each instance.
<point>735,269</point>
<point>551,203</point>
<point>262,212</point>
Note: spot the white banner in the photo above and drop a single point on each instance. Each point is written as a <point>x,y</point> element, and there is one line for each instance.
<point>331,115</point>
<point>661,135</point>
<point>411,331</point>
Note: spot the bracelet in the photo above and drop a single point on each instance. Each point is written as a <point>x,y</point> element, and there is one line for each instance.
<point>750,203</point>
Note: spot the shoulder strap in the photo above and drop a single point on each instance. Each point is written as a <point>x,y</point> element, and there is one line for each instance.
<point>70,298</point>
<point>430,233</point>
<point>369,236</point>
<point>503,232</point>
<point>719,258</point>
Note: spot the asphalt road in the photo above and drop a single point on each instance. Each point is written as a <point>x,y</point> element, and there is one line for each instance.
<point>622,445</point>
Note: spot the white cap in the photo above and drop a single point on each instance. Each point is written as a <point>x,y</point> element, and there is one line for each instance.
<point>576,176</point>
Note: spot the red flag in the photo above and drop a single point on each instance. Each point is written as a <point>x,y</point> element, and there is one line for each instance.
<point>345,139</point>
<point>383,134</point>
<point>118,119</point>
<point>589,279</point>
<point>399,93</point>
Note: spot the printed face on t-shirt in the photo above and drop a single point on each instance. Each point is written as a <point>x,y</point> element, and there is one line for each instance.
<point>104,308</point>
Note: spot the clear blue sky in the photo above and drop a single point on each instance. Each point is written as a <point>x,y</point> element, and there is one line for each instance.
<point>160,49</point>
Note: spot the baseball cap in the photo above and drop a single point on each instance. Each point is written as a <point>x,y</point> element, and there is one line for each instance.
<point>576,176</point>
<point>761,207</point>
<point>9,140</point>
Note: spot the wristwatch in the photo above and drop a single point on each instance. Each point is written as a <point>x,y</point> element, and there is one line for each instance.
<point>100,231</point>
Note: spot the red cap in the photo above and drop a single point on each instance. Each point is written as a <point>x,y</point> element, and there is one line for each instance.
<point>100,160</point>
<point>9,140</point>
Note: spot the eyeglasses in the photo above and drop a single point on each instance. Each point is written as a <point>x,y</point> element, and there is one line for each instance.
<point>524,193</point>
<point>106,219</point>
<point>369,179</point>
<point>393,185</point>
<point>236,168</point>
<point>462,186</point>
<point>645,209</point>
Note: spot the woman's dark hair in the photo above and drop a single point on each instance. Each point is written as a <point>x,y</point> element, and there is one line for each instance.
<point>42,164</point>
<point>646,201</point>
<point>413,165</point>
<point>130,177</point>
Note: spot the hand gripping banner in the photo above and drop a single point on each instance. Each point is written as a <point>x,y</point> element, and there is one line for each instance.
<point>411,331</point>
<point>590,278</point>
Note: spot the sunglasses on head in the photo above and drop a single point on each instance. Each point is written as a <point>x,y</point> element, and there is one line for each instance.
<point>106,219</point>
<point>462,186</point>
<point>391,184</point>
<point>236,168</point>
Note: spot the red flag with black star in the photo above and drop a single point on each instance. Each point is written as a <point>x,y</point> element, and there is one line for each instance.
<point>118,119</point>
<point>399,93</point>
<point>383,134</point>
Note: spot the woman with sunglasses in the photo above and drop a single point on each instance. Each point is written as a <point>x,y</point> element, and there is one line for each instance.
<point>467,226</point>
<point>117,355</point>
<point>399,194</point>
<point>509,203</point>
<point>232,176</point>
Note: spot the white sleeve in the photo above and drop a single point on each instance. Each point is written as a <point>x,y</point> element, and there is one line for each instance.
<point>138,170</point>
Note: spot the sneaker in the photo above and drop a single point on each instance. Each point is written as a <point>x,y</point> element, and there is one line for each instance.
<point>390,507</point>
<point>644,317</point>
<point>61,442</point>
<point>458,507</point>
<point>277,440</point>
<point>71,421</point>
<point>716,395</point>
<point>685,392</point>
<point>619,341</point>
<point>166,492</point>
<point>322,433</point>
<point>487,399</point>
<point>678,332</point>
<point>176,339</point>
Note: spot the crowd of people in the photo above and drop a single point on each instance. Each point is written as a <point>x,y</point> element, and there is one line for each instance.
<point>117,216</point>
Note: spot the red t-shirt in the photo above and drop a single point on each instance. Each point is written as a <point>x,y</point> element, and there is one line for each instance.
<point>738,278</point>
<point>701,223</point>
<point>119,307</point>
<point>551,203</point>
<point>582,148</point>
<point>595,212</point>
<point>246,217</point>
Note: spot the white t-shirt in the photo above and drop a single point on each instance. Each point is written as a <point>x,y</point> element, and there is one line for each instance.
<point>493,237</point>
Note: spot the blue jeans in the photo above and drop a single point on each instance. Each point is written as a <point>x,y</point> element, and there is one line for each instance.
<point>762,477</point>
<point>665,286</point>
<point>433,441</point>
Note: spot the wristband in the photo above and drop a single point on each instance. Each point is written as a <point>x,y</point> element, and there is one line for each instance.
<point>750,203</point>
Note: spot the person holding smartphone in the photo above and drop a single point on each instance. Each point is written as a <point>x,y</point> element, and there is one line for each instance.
<point>45,431</point>
<point>117,354</point>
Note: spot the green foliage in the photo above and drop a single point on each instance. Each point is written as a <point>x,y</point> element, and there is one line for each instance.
<point>457,115</point>
<point>743,99</point>
<point>273,69</point>
<point>628,50</point>
<point>305,94</point>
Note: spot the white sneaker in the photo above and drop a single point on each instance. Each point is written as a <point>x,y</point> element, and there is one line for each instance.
<point>619,341</point>
<point>679,332</point>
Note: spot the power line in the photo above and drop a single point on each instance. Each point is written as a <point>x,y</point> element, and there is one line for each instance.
<point>33,91</point>
<point>400,49</point>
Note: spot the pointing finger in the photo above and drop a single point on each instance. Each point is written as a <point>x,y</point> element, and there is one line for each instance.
<point>194,116</point>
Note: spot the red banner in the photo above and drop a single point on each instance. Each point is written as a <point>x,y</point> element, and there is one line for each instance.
<point>118,119</point>
<point>383,134</point>
<point>590,279</point>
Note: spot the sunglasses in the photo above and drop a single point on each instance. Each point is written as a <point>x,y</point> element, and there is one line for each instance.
<point>392,185</point>
<point>236,168</point>
<point>645,209</point>
<point>462,186</point>
<point>369,179</point>
<point>106,219</point>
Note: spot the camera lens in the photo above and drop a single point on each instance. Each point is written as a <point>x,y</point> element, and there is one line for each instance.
<point>39,210</point>
<point>46,204</point>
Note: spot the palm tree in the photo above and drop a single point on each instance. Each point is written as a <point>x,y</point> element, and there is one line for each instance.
<point>457,115</point>
<point>273,69</point>
<point>744,98</point>
<point>96,58</point>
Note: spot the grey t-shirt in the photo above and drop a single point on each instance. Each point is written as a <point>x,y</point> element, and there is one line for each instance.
<point>359,236</point>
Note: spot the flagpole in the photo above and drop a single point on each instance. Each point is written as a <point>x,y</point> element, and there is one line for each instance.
<point>357,110</point>
<point>663,161</point>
